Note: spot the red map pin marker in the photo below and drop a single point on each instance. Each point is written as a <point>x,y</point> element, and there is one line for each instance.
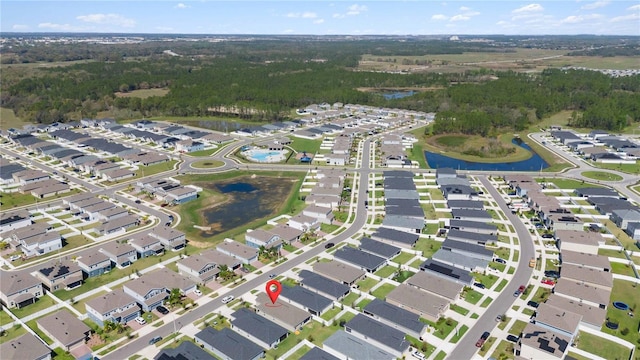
<point>273,289</point>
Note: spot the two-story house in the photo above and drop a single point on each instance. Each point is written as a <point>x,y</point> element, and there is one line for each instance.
<point>147,246</point>
<point>116,306</point>
<point>93,262</point>
<point>19,289</point>
<point>151,289</point>
<point>170,238</point>
<point>36,240</point>
<point>56,275</point>
<point>121,254</point>
<point>258,238</point>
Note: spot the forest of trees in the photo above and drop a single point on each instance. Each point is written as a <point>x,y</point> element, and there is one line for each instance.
<point>266,80</point>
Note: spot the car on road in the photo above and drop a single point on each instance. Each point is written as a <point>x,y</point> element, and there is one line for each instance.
<point>155,339</point>
<point>197,292</point>
<point>498,318</point>
<point>479,285</point>
<point>140,320</point>
<point>483,338</point>
<point>548,282</point>
<point>138,201</point>
<point>329,245</point>
<point>533,304</point>
<point>227,299</point>
<point>513,338</point>
<point>162,310</point>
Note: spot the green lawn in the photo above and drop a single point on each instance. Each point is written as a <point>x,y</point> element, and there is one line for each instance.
<point>487,280</point>
<point>471,296</point>
<point>366,284</point>
<point>626,292</point>
<point>504,351</point>
<point>611,253</point>
<point>487,345</point>
<point>517,327</point>
<point>427,246</point>
<point>459,309</point>
<point>623,269</point>
<point>331,313</point>
<point>11,200</point>
<point>601,347</point>
<point>386,271</point>
<point>403,258</point>
<point>486,302</point>
<point>627,168</point>
<point>362,304</point>
<point>403,275</point>
<point>416,264</point>
<point>154,169</point>
<point>564,184</point>
<point>12,333</point>
<point>300,352</point>
<point>308,145</point>
<point>602,175</point>
<point>350,299</point>
<point>502,284</point>
<point>40,304</point>
<point>381,291</point>
<point>461,331</point>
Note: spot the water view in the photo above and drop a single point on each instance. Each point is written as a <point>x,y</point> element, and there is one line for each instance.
<point>248,199</point>
<point>398,95</point>
<point>534,163</point>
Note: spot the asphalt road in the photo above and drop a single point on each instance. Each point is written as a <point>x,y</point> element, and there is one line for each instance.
<point>466,348</point>
<point>200,311</point>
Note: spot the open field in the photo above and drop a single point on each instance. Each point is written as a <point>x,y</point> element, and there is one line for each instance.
<point>143,93</point>
<point>602,175</point>
<point>455,145</point>
<point>626,292</point>
<point>8,119</point>
<point>601,347</point>
<point>627,168</point>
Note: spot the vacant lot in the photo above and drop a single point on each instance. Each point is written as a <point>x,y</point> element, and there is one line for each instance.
<point>143,93</point>
<point>9,119</point>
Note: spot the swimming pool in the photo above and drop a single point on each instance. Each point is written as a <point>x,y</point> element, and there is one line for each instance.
<point>264,155</point>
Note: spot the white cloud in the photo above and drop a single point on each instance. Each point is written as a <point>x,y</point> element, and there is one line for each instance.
<point>626,18</point>
<point>528,8</point>
<point>108,19</point>
<point>595,5</point>
<point>466,14</point>
<point>182,6</point>
<point>439,17</point>
<point>59,27</point>
<point>634,7</point>
<point>464,8</point>
<point>20,27</point>
<point>318,21</point>
<point>338,16</point>
<point>356,9</point>
<point>573,19</point>
<point>304,15</point>
<point>459,17</point>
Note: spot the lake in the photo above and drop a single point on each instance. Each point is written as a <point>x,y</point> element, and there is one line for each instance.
<point>399,94</point>
<point>249,199</point>
<point>534,163</point>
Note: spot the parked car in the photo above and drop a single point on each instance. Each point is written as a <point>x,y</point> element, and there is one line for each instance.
<point>138,201</point>
<point>329,245</point>
<point>15,257</point>
<point>140,320</point>
<point>547,236</point>
<point>418,355</point>
<point>533,304</point>
<point>227,299</point>
<point>197,292</point>
<point>548,282</point>
<point>480,285</point>
<point>483,338</point>
<point>501,261</point>
<point>162,310</point>
<point>513,338</point>
<point>155,339</point>
<point>552,274</point>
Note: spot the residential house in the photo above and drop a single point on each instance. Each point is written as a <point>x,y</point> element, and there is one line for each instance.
<point>303,223</point>
<point>257,328</point>
<point>64,329</point>
<point>151,289</point>
<point>308,300</point>
<point>378,334</point>
<point>588,242</point>
<point>323,214</point>
<point>147,245</point>
<point>593,261</point>
<point>346,346</point>
<point>468,249</point>
<point>14,220</point>
<point>579,291</point>
<point>187,146</point>
<point>539,343</point>
<point>423,303</point>
<point>378,248</point>
<point>35,240</point>
<point>170,238</point>
<point>471,215</point>
<point>56,275</point>
<point>558,320</point>
<point>592,316</point>
<point>588,276</point>
<point>623,217</point>
<point>53,190</point>
<point>283,313</point>
<point>633,230</point>
<point>93,262</point>
<point>338,271</point>
<point>396,237</point>
<point>286,233</point>
<point>115,306</point>
<point>201,268</point>
<point>19,289</point>
<point>318,354</point>
<point>227,344</point>
<point>460,260</point>
<point>236,250</point>
<point>120,224</point>
<point>473,226</point>
<point>26,347</point>
<point>437,285</point>
<point>396,317</point>
<point>189,351</point>
<point>258,238</point>
<point>448,272</point>
<point>360,259</point>
<point>181,195</point>
<point>323,286</point>
<point>471,237</point>
<point>29,176</point>
<point>121,254</point>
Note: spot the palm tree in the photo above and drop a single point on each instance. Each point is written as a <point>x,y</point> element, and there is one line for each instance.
<point>261,250</point>
<point>174,297</point>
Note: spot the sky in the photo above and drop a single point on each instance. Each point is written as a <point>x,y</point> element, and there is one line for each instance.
<point>325,17</point>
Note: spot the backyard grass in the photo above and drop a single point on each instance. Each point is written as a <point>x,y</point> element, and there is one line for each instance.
<point>627,168</point>
<point>403,275</point>
<point>416,264</point>
<point>427,246</point>
<point>611,253</point>
<point>459,309</point>
<point>623,269</point>
<point>11,200</point>
<point>366,284</point>
<point>403,257</point>
<point>622,236</point>
<point>12,333</point>
<point>564,184</point>
<point>362,304</point>
<point>602,347</point>
<point>40,304</point>
<point>487,280</point>
<point>626,292</point>
<point>299,353</point>
<point>331,313</point>
<point>381,291</point>
<point>602,175</point>
<point>350,299</point>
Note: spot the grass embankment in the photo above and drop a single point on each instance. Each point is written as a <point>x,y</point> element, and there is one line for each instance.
<point>601,347</point>
<point>10,120</point>
<point>602,176</point>
<point>207,164</point>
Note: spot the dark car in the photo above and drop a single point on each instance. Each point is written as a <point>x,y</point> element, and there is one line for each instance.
<point>513,338</point>
<point>533,304</point>
<point>329,245</point>
<point>547,236</point>
<point>552,274</point>
<point>480,285</point>
<point>138,201</point>
<point>162,310</point>
<point>155,339</point>
<point>483,338</point>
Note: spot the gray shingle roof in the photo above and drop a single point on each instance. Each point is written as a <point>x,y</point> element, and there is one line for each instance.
<point>385,233</point>
<point>26,346</point>
<point>465,246</point>
<point>306,298</point>
<point>395,314</point>
<point>185,351</point>
<point>360,258</point>
<point>355,348</point>
<point>379,332</point>
<point>318,354</point>
<point>258,326</point>
<point>471,224</point>
<point>230,343</point>
<point>323,284</point>
<point>378,248</point>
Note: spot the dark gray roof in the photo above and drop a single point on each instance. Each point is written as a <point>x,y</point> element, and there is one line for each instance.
<point>378,248</point>
<point>403,203</point>
<point>230,343</point>
<point>26,140</point>
<point>397,174</point>
<point>355,348</point>
<point>596,191</point>
<point>379,332</point>
<point>396,235</point>
<point>68,135</point>
<point>472,213</point>
<point>465,246</point>
<point>323,284</point>
<point>359,257</point>
<point>318,354</point>
<point>561,134</point>
<point>66,152</point>
<point>306,298</point>
<point>454,223</point>
<point>405,222</point>
<point>7,171</point>
<point>439,268</point>
<point>445,171</point>
<point>185,351</point>
<point>404,207</point>
<point>395,314</point>
<point>458,190</point>
<point>465,204</point>
<point>399,183</point>
<point>258,326</point>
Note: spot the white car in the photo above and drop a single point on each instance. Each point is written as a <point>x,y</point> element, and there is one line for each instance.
<point>418,355</point>
<point>227,299</point>
<point>197,292</point>
<point>140,320</point>
<point>15,257</point>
